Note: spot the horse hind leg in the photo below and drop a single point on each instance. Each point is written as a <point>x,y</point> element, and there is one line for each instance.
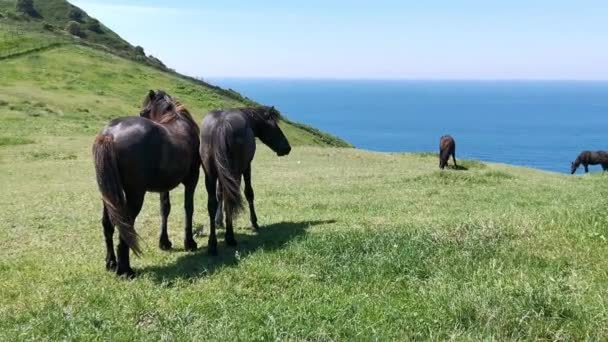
<point>249,194</point>
<point>454,158</point>
<point>211,185</point>
<point>230,239</point>
<point>134,204</point>
<point>189,243</point>
<point>108,232</point>
<point>219,214</point>
<point>165,209</point>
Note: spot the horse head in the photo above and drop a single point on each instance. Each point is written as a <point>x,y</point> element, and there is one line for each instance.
<point>268,131</point>
<point>574,165</point>
<point>156,104</point>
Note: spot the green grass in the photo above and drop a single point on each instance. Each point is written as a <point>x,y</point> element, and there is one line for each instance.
<point>354,246</point>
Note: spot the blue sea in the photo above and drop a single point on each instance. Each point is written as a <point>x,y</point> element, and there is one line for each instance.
<point>539,124</point>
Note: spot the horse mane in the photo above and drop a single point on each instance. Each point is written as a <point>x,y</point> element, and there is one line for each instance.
<point>258,113</point>
<point>176,111</point>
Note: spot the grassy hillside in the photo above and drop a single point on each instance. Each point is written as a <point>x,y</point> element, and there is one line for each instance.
<point>97,76</point>
<point>354,246</point>
<point>76,90</point>
<point>51,17</point>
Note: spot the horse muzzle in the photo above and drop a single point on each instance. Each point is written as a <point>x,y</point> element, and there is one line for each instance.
<point>284,152</point>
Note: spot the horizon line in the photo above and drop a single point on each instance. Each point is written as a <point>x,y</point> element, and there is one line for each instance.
<point>292,78</point>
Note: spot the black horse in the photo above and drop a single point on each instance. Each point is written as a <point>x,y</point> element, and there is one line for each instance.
<point>227,149</point>
<point>590,158</point>
<point>154,152</point>
<point>447,148</point>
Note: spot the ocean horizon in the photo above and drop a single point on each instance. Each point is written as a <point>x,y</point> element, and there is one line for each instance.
<point>541,124</point>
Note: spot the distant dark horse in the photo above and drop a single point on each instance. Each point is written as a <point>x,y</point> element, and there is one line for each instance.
<point>590,158</point>
<point>155,152</point>
<point>227,149</point>
<point>447,148</point>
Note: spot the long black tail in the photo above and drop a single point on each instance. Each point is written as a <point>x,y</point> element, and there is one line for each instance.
<point>228,176</point>
<point>112,192</point>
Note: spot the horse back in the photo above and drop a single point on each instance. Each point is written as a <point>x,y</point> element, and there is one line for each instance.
<point>148,156</point>
<point>447,144</point>
<point>232,128</point>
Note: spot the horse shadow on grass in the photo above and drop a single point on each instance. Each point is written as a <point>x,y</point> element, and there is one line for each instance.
<point>458,168</point>
<point>199,264</point>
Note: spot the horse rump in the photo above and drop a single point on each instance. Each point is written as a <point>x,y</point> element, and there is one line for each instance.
<point>112,192</point>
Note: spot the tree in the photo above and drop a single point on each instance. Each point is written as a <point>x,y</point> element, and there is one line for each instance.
<point>27,7</point>
<point>74,29</point>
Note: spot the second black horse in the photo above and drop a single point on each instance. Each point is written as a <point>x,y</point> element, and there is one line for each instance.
<point>227,149</point>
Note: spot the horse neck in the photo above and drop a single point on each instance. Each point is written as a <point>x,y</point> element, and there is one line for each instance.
<point>172,120</point>
<point>253,123</point>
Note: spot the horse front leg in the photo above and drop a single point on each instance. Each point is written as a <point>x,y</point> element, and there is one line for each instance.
<point>211,185</point>
<point>249,194</point>
<point>189,243</point>
<point>165,209</point>
<point>586,168</point>
<point>108,232</point>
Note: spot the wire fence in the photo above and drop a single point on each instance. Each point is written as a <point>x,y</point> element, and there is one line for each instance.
<point>14,42</point>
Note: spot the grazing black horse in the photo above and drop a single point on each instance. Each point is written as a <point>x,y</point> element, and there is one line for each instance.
<point>590,158</point>
<point>154,152</point>
<point>227,149</point>
<point>447,148</point>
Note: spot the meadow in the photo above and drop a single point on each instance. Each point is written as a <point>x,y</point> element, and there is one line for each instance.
<point>354,245</point>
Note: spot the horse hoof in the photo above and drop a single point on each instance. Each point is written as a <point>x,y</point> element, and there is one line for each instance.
<point>190,246</point>
<point>165,245</point>
<point>127,273</point>
<point>111,265</point>
<point>255,227</point>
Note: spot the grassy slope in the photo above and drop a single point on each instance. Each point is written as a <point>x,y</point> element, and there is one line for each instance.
<point>55,15</point>
<point>74,80</point>
<point>355,245</point>
<point>79,89</point>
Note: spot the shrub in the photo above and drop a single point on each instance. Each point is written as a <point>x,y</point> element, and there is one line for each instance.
<point>48,27</point>
<point>27,7</point>
<point>75,14</point>
<point>74,29</point>
<point>94,25</point>
<point>140,50</point>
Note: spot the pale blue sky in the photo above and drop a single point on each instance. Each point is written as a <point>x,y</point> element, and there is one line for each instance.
<point>431,39</point>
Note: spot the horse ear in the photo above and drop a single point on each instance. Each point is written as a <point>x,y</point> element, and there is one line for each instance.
<point>151,95</point>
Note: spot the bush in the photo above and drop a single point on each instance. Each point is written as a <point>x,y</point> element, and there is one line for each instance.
<point>140,51</point>
<point>27,7</point>
<point>74,29</point>
<point>48,27</point>
<point>75,14</point>
<point>94,25</point>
